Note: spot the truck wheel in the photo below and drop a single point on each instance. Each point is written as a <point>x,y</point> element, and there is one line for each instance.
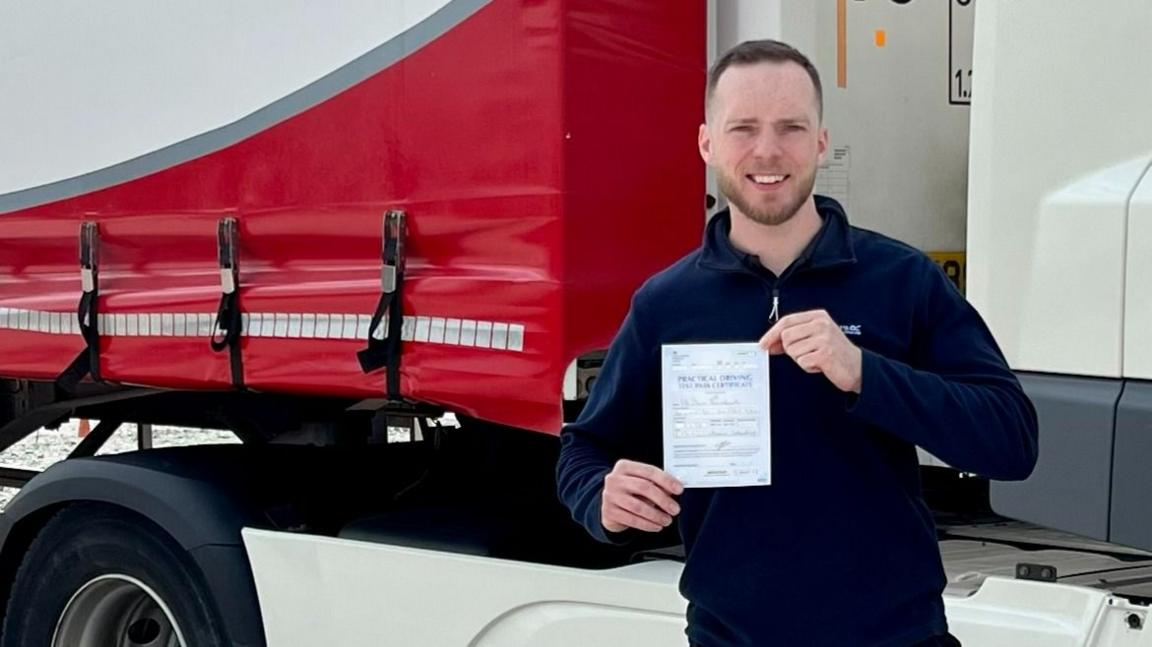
<point>97,576</point>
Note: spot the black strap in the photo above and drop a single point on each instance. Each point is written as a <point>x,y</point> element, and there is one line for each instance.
<point>229,324</point>
<point>376,354</point>
<point>392,341</point>
<point>87,312</point>
<point>384,350</point>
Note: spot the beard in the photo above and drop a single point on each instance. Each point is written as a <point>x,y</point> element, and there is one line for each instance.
<point>730,187</point>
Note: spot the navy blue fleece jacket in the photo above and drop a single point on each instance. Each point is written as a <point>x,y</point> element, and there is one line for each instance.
<point>840,549</point>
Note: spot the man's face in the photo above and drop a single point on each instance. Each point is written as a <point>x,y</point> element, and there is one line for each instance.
<point>764,139</point>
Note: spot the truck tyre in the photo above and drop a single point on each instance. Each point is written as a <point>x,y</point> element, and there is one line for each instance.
<point>98,576</point>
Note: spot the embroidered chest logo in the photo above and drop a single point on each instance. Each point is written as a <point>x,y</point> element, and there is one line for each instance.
<point>851,329</point>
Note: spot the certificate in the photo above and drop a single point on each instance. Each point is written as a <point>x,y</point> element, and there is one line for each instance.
<point>717,431</point>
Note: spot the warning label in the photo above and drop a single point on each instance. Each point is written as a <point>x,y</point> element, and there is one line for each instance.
<point>833,176</point>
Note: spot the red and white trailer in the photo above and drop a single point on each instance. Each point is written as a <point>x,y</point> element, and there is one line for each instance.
<point>323,227</point>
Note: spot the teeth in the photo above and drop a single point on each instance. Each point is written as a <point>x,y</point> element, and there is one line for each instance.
<point>767,179</point>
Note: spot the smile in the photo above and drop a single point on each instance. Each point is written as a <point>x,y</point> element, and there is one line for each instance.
<point>766,180</point>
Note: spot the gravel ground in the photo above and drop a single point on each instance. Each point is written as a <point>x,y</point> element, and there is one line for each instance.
<point>48,446</point>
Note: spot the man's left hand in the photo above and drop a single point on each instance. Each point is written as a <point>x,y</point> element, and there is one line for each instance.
<point>817,345</point>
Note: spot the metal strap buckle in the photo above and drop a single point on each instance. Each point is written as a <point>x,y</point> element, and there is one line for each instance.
<point>226,249</point>
<point>89,256</point>
<point>395,230</point>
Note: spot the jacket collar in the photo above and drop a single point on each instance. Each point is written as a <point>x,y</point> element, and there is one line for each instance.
<point>831,246</point>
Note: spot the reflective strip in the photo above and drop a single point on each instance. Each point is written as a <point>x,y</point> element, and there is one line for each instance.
<point>496,335</point>
<point>452,332</point>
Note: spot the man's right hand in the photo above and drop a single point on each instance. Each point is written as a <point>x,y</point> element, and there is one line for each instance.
<point>637,495</point>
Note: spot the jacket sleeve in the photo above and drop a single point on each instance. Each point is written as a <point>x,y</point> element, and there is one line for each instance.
<point>613,425</point>
<point>957,398</point>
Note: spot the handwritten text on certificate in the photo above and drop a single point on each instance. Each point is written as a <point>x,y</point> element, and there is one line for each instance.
<point>717,431</point>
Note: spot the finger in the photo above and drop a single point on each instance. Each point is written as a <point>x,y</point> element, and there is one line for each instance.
<point>610,525</point>
<point>804,317</point>
<point>810,363</point>
<point>800,332</point>
<point>653,493</point>
<point>651,473</point>
<point>629,520</point>
<point>771,341</point>
<point>643,509</point>
<point>798,349</point>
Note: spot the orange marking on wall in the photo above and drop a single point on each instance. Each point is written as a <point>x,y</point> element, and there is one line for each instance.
<point>842,43</point>
<point>881,38</point>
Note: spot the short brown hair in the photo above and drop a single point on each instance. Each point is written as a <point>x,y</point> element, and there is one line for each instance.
<point>751,52</point>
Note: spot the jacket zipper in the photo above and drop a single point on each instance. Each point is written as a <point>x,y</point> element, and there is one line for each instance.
<point>799,265</point>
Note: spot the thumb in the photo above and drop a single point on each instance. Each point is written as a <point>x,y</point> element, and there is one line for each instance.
<point>771,341</point>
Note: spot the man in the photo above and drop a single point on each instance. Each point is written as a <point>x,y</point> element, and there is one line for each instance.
<point>840,549</point>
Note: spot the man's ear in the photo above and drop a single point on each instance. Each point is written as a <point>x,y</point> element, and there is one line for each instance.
<point>704,142</point>
<point>822,144</point>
